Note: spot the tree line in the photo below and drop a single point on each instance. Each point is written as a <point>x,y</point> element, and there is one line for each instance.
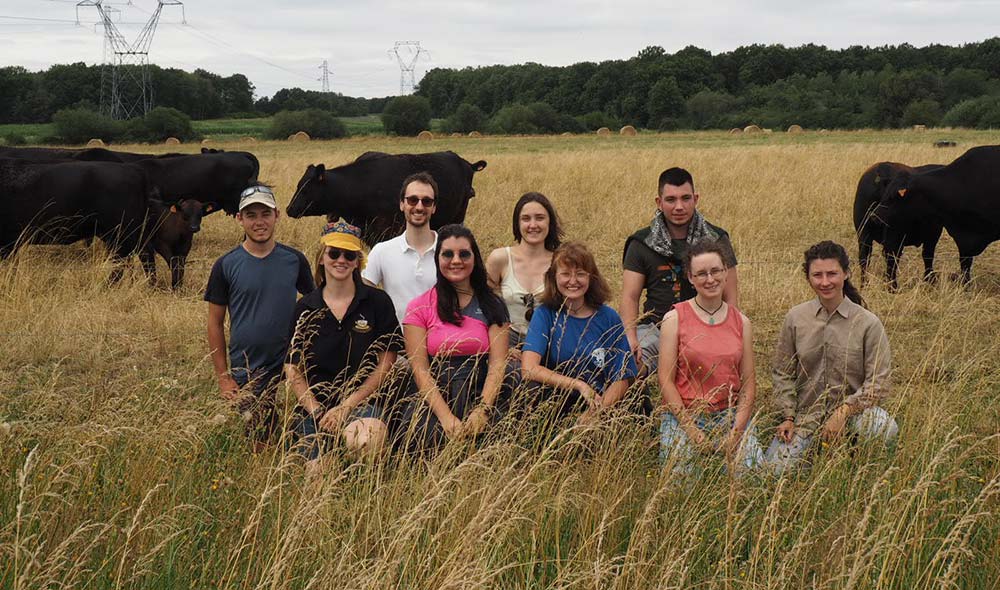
<point>768,85</point>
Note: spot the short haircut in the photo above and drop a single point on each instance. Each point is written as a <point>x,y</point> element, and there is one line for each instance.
<point>424,177</point>
<point>555,236</point>
<point>674,177</point>
<point>704,247</point>
<point>575,255</point>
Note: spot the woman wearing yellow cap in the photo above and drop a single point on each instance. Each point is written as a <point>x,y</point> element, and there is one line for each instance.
<point>344,339</point>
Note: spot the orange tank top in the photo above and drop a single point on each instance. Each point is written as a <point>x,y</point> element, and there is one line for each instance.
<point>708,359</point>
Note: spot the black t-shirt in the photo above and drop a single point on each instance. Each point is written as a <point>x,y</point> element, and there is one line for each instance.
<point>337,356</point>
<point>666,282</point>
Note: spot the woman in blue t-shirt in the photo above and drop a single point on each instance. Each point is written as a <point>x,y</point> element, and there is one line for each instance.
<point>576,344</point>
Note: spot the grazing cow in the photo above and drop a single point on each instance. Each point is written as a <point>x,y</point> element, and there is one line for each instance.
<point>62,202</point>
<point>963,196</point>
<point>86,155</point>
<point>366,191</point>
<point>870,228</point>
<point>174,229</point>
<point>210,177</point>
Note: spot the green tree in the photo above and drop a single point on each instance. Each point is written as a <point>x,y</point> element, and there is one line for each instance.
<point>319,124</point>
<point>665,101</point>
<point>81,125</point>
<point>407,115</point>
<point>163,122</point>
<point>925,111</point>
<point>467,117</point>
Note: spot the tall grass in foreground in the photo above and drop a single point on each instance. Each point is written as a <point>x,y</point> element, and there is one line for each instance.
<point>122,469</point>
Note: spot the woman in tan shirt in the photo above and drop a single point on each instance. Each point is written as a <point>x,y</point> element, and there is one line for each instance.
<point>831,366</point>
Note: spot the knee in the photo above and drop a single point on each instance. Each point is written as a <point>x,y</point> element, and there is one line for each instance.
<point>366,435</point>
<point>876,423</point>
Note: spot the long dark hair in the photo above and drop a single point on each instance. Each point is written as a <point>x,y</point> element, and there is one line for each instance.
<point>575,255</point>
<point>828,250</point>
<point>555,235</point>
<point>447,297</point>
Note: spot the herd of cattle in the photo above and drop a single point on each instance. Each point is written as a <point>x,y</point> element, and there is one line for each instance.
<point>145,204</point>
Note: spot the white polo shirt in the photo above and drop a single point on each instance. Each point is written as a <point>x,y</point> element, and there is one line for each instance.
<point>401,271</point>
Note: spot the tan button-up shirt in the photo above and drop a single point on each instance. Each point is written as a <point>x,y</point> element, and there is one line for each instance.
<point>824,360</point>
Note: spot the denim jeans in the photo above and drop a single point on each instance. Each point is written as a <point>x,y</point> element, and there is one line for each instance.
<point>674,443</point>
<point>256,405</point>
<point>873,423</point>
<point>311,442</point>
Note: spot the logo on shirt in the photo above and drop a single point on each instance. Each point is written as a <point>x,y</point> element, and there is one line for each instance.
<point>599,356</point>
<point>362,326</point>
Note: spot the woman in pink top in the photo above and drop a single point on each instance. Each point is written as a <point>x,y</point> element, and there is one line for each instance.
<point>707,369</point>
<point>456,339</point>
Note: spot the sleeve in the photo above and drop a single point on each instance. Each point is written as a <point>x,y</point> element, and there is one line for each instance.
<point>539,330</point>
<point>634,260</point>
<point>878,364</point>
<point>295,332</point>
<point>784,369</point>
<point>217,290</point>
<point>304,283</point>
<point>417,310</point>
<point>727,246</point>
<point>622,364</point>
<point>387,326</point>
<point>373,271</point>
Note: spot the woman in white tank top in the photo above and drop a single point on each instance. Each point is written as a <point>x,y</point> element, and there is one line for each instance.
<point>517,273</point>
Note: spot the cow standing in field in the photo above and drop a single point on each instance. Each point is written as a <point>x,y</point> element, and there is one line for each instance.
<point>209,177</point>
<point>963,196</point>
<point>175,226</point>
<point>63,202</point>
<point>870,227</point>
<point>366,192</point>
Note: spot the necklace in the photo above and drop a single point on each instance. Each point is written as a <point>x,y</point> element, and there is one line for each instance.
<point>711,314</point>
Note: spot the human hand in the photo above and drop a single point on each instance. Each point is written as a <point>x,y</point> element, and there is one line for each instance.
<point>334,418</point>
<point>587,393</point>
<point>731,444</point>
<point>476,421</point>
<point>589,417</point>
<point>700,442</point>
<point>451,425</point>
<point>228,388</point>
<point>786,430</point>
<point>633,345</point>
<point>833,428</point>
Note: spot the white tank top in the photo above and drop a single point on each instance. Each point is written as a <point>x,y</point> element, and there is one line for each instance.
<point>517,297</point>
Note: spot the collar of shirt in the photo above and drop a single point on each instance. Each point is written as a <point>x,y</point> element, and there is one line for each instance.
<point>845,309</point>
<point>404,245</point>
<point>315,300</point>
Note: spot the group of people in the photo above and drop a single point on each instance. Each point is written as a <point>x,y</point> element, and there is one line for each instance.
<point>425,340</point>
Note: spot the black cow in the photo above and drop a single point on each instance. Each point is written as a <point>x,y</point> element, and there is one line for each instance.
<point>52,154</point>
<point>174,229</point>
<point>870,228</point>
<point>210,177</point>
<point>963,196</point>
<point>63,202</point>
<point>366,191</point>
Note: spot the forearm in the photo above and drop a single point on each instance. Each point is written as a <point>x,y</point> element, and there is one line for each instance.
<point>744,407</point>
<point>629,313</point>
<point>372,382</point>
<point>615,392</point>
<point>547,376</point>
<point>731,292</point>
<point>217,347</point>
<point>300,387</point>
<point>675,405</point>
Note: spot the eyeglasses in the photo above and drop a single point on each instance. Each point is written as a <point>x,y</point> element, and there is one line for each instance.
<point>715,273</point>
<point>349,255</point>
<point>425,201</point>
<point>462,254</point>
<point>528,299</point>
<point>565,275</point>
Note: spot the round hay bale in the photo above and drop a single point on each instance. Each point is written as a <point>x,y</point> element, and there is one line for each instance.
<point>628,131</point>
<point>795,129</point>
<point>752,129</point>
<point>475,134</point>
<point>172,141</point>
<point>604,132</point>
<point>920,127</point>
<point>766,131</point>
<point>735,130</point>
<point>299,136</point>
<point>824,130</point>
<point>95,143</point>
<point>456,134</point>
<point>566,134</point>
<point>206,142</point>
<point>249,139</point>
<point>425,135</point>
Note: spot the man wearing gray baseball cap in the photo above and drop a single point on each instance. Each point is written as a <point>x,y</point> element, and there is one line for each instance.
<point>256,283</point>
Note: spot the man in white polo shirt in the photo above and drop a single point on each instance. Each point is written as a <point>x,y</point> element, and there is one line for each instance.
<point>404,266</point>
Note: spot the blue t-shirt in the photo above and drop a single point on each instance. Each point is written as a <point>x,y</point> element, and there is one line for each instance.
<point>593,349</point>
<point>260,294</point>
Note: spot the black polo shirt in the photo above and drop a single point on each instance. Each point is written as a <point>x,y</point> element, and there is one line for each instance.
<point>337,356</point>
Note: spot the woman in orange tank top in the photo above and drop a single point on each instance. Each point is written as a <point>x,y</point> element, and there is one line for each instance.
<point>707,370</point>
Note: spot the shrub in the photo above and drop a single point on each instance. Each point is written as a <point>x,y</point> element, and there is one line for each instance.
<point>319,124</point>
<point>594,120</point>
<point>514,119</point>
<point>976,113</point>
<point>467,117</point>
<point>922,112</point>
<point>407,115</point>
<point>163,122</point>
<point>13,138</point>
<point>81,125</point>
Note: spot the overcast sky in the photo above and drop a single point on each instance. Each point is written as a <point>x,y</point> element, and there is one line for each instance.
<point>282,45</point>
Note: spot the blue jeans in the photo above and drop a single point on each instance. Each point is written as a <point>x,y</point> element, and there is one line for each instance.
<point>674,443</point>
<point>257,401</point>
<point>871,424</point>
<point>311,442</point>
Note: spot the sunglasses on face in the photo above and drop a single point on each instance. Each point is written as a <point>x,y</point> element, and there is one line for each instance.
<point>462,254</point>
<point>412,201</point>
<point>335,253</point>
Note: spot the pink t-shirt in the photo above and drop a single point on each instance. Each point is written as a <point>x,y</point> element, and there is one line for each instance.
<point>708,358</point>
<point>444,339</point>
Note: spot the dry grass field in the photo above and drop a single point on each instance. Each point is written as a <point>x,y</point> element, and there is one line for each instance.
<point>121,468</point>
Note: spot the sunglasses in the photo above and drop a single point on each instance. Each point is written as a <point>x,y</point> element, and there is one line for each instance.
<point>462,254</point>
<point>528,299</point>
<point>425,201</point>
<point>256,189</point>
<point>349,255</point>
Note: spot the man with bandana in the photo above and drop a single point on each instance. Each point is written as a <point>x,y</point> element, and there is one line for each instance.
<point>653,264</point>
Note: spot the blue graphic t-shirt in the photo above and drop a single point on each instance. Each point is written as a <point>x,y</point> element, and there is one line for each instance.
<point>592,349</point>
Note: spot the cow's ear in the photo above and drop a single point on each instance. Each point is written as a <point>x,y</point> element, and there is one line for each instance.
<point>207,208</point>
<point>478,166</point>
<point>173,208</point>
<point>902,192</point>
<point>321,172</point>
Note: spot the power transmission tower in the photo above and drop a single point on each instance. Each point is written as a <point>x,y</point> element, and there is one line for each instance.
<point>325,68</point>
<point>407,53</point>
<point>126,90</point>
